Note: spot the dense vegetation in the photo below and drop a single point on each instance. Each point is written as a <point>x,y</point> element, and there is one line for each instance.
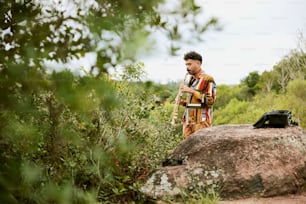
<point>70,138</point>
<point>82,137</point>
<point>282,88</point>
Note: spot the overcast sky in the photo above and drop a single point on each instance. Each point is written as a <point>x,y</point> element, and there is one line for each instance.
<point>256,35</point>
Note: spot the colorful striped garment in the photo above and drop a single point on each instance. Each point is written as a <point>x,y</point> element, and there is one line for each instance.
<point>199,106</point>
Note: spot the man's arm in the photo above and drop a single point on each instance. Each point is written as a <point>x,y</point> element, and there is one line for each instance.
<point>206,96</point>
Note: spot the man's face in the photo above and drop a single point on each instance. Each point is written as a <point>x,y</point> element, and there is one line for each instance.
<point>193,66</point>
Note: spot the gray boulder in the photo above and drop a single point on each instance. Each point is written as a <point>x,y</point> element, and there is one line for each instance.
<point>237,161</point>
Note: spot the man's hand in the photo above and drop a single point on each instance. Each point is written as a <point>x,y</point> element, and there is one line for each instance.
<point>186,89</point>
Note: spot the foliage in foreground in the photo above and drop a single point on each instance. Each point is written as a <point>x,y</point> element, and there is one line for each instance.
<point>63,146</point>
<point>71,139</point>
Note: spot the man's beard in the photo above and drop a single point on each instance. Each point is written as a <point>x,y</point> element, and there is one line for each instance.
<point>190,72</point>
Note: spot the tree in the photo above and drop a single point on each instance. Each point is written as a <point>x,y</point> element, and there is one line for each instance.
<point>268,81</point>
<point>251,82</point>
<point>35,31</point>
<point>297,61</point>
<point>291,67</point>
<point>226,93</point>
<point>231,113</point>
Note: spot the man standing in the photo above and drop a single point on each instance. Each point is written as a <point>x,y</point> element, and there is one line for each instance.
<point>201,95</point>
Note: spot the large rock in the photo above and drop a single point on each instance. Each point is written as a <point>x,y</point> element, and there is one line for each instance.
<point>236,160</point>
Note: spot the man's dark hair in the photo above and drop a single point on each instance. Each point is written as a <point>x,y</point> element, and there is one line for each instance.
<point>193,55</point>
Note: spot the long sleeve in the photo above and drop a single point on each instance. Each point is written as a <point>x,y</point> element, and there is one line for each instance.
<point>205,95</point>
<point>205,91</point>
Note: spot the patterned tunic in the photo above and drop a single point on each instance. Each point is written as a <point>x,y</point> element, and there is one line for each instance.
<point>199,106</point>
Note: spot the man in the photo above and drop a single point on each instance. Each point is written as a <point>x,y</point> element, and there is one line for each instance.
<point>201,95</point>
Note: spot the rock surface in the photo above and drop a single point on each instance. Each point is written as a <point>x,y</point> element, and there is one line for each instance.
<point>237,161</point>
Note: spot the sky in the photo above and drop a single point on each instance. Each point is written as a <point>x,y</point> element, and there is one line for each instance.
<point>255,36</point>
